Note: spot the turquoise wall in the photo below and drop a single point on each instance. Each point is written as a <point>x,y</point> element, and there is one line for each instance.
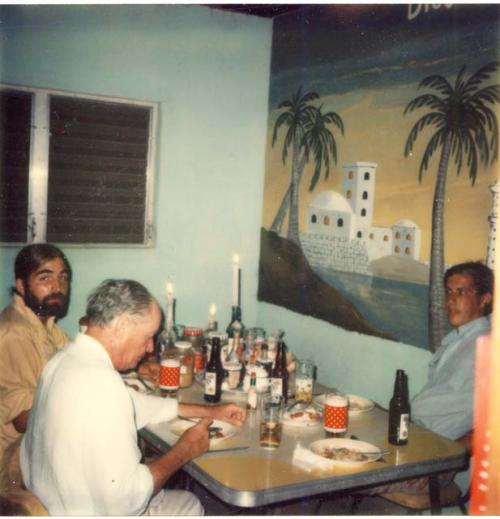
<point>209,70</point>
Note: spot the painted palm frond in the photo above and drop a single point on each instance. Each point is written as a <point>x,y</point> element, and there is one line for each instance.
<point>465,130</point>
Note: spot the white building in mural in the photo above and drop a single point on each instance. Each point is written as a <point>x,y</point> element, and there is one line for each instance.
<point>339,230</point>
<point>493,220</point>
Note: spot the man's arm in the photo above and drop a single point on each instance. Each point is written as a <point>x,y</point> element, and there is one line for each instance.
<point>193,443</point>
<point>20,422</point>
<point>226,412</point>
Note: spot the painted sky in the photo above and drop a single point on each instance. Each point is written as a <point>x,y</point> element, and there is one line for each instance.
<point>365,62</point>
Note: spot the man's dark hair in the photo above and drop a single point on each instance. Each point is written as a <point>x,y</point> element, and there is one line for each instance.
<point>482,277</point>
<point>32,256</point>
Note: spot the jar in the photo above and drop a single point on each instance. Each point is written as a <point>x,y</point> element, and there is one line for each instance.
<point>195,337</point>
<point>184,352</point>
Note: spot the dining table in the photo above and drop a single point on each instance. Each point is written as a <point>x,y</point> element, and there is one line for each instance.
<point>242,473</point>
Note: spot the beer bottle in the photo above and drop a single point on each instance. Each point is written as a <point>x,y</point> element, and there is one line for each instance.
<point>214,374</point>
<point>279,374</point>
<point>399,411</point>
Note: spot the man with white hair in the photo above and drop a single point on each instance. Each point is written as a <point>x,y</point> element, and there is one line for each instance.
<point>79,455</point>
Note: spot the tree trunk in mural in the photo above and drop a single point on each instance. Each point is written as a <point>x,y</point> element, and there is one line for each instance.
<point>437,308</point>
<point>285,203</point>
<point>293,221</point>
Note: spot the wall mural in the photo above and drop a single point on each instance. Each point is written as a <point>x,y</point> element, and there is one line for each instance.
<point>380,163</point>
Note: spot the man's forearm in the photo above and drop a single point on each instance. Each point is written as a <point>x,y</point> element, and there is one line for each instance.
<point>164,466</point>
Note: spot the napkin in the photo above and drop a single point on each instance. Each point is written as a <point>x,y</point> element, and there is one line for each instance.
<point>308,460</point>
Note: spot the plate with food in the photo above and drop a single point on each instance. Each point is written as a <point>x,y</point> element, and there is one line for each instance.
<point>140,385</point>
<point>345,451</point>
<point>302,415</point>
<point>218,430</point>
<point>357,404</point>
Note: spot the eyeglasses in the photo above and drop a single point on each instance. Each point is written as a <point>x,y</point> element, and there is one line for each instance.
<point>459,292</point>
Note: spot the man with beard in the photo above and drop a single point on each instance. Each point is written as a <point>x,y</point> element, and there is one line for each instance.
<point>29,337</point>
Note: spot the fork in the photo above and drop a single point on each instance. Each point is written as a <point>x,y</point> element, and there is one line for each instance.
<point>212,430</point>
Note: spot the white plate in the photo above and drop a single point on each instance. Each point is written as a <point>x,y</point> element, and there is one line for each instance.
<point>178,426</point>
<point>302,417</point>
<point>357,404</point>
<point>370,452</point>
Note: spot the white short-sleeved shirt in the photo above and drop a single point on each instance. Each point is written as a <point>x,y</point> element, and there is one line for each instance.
<point>79,454</point>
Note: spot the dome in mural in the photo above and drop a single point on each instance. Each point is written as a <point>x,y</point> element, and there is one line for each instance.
<point>404,222</point>
<point>330,201</point>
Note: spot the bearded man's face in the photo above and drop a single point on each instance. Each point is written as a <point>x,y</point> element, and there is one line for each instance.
<point>46,289</point>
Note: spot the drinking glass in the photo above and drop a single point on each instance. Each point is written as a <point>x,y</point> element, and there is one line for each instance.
<point>170,373</point>
<point>270,422</point>
<point>336,414</point>
<point>304,381</point>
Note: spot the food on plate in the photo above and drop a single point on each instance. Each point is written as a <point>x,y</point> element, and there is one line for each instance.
<point>302,414</point>
<point>344,454</point>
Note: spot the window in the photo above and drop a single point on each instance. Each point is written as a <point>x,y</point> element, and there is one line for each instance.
<point>75,169</point>
<point>365,195</point>
<point>386,238</point>
<point>326,220</point>
<point>350,175</point>
<point>407,251</point>
<point>371,236</point>
<point>340,222</point>
<point>396,249</point>
<point>398,235</point>
<point>359,234</point>
<point>367,175</point>
<point>313,218</point>
<point>408,237</point>
<point>363,212</point>
<point>348,194</point>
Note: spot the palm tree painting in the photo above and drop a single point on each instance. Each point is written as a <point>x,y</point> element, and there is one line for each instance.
<point>465,127</point>
<point>353,220</point>
<point>307,131</point>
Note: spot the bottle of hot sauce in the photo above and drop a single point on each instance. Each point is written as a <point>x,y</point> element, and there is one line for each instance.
<point>214,374</point>
<point>399,411</point>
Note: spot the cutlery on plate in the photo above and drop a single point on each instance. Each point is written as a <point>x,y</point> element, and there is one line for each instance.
<point>238,448</point>
<point>212,430</point>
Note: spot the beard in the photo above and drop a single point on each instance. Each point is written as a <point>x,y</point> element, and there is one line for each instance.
<point>42,307</point>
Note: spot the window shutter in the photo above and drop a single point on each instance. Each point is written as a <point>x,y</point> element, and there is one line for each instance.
<point>97,171</point>
<point>15,128</point>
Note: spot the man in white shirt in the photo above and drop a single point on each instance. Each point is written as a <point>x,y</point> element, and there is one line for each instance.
<point>79,455</point>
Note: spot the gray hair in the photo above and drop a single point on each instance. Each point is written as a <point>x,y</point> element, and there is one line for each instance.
<point>114,297</point>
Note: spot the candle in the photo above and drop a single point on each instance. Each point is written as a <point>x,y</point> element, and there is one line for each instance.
<point>170,305</point>
<point>236,281</point>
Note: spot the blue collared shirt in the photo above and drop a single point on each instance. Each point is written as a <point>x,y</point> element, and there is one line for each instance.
<point>445,403</point>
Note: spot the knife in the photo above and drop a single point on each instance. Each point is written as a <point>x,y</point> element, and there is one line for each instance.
<point>238,448</point>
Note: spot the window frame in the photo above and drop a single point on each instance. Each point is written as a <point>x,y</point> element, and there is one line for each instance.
<point>38,174</point>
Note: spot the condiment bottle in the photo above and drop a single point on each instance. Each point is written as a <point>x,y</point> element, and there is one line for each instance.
<point>279,375</point>
<point>214,374</point>
<point>252,393</point>
<point>399,411</point>
<point>184,352</point>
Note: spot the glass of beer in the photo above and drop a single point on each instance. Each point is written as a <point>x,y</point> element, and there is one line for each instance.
<point>336,414</point>
<point>270,422</point>
<point>170,375</point>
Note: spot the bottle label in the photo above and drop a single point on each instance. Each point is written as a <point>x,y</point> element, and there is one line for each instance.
<point>404,421</point>
<point>276,387</point>
<point>210,383</point>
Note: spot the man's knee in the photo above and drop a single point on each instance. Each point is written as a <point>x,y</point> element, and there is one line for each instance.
<point>175,502</point>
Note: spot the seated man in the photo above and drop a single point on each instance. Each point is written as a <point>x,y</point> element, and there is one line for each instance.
<point>79,455</point>
<point>28,338</point>
<point>445,403</point>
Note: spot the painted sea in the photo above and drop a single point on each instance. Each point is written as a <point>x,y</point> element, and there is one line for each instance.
<point>395,307</point>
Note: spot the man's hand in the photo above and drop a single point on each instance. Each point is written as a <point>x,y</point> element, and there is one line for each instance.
<point>195,439</point>
<point>149,370</point>
<point>230,413</point>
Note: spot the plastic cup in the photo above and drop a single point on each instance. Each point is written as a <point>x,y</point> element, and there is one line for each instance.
<point>335,414</point>
<point>170,374</point>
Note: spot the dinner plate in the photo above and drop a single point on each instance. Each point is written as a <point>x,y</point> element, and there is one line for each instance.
<point>302,416</point>
<point>178,426</point>
<point>357,404</point>
<point>345,451</point>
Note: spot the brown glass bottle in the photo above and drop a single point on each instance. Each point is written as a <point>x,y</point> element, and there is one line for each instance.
<point>279,374</point>
<point>214,374</point>
<point>399,411</point>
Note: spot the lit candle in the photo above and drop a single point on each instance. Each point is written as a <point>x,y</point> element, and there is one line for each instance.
<point>236,283</point>
<point>211,312</point>
<point>170,305</point>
